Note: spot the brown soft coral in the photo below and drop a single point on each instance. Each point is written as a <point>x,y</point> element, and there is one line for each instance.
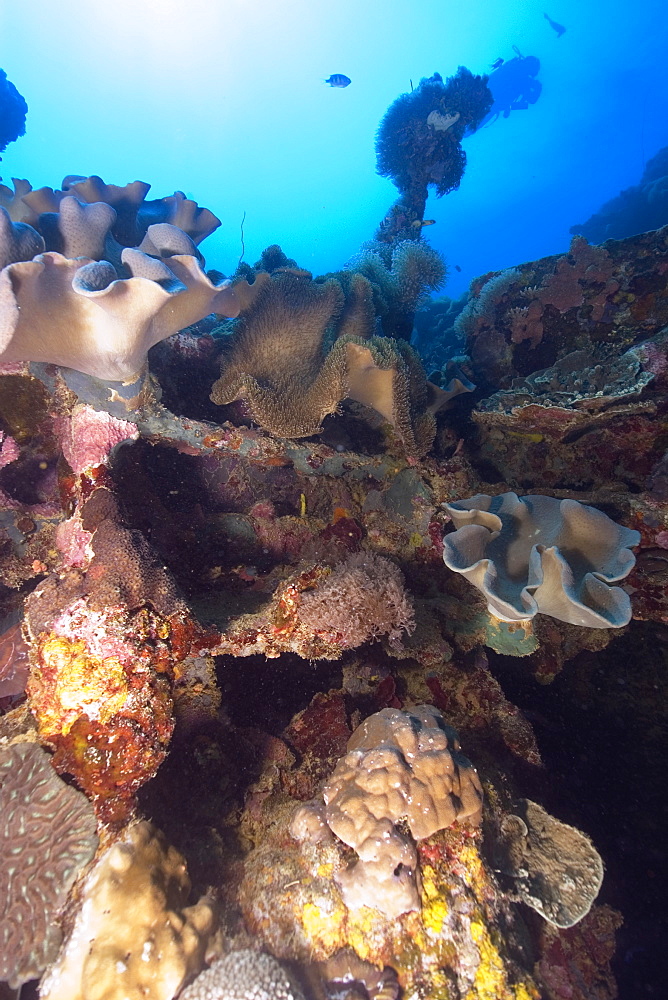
<point>278,365</point>
<point>277,360</point>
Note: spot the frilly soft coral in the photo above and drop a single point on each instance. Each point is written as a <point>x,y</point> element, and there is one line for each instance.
<point>76,313</point>
<point>540,554</point>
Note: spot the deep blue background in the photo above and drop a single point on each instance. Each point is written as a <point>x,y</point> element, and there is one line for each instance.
<point>225,101</point>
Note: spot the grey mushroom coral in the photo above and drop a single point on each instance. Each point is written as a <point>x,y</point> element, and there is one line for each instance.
<point>538,554</point>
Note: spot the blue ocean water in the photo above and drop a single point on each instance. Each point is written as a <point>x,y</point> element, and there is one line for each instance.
<point>227,102</point>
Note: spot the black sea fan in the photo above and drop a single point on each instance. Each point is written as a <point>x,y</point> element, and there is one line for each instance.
<point>13,111</point>
<point>418,144</point>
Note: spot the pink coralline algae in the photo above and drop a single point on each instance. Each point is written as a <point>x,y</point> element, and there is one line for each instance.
<point>47,834</point>
<point>9,450</point>
<point>88,436</point>
<point>73,541</point>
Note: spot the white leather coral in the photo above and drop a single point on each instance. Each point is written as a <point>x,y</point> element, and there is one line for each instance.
<point>78,314</point>
<point>539,554</point>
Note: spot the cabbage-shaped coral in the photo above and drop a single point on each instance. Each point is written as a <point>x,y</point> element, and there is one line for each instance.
<point>132,213</point>
<point>539,554</point>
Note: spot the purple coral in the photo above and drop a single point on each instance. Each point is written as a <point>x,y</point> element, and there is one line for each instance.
<point>47,834</point>
<point>364,597</point>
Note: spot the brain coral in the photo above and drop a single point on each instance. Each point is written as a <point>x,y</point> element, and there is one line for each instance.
<point>47,834</point>
<point>243,975</point>
<point>539,554</point>
<point>399,765</point>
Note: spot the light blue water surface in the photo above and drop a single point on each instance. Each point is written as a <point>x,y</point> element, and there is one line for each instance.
<point>226,101</point>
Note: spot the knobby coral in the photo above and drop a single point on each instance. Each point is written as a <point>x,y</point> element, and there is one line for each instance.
<point>539,554</point>
<point>244,975</point>
<point>399,765</point>
<point>47,834</point>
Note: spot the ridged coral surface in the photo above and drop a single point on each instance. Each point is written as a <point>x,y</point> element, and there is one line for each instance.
<point>47,834</point>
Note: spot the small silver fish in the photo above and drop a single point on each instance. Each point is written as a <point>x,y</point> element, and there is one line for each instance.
<point>338,80</point>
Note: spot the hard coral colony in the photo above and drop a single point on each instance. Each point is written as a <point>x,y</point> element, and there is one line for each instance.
<point>232,621</point>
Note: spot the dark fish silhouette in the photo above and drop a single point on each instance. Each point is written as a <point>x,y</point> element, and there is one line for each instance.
<point>338,80</point>
<point>559,28</point>
<point>457,267</point>
<point>497,62</point>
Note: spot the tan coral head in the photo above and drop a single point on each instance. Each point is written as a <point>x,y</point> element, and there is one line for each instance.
<point>539,554</point>
<point>78,314</point>
<point>399,766</point>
